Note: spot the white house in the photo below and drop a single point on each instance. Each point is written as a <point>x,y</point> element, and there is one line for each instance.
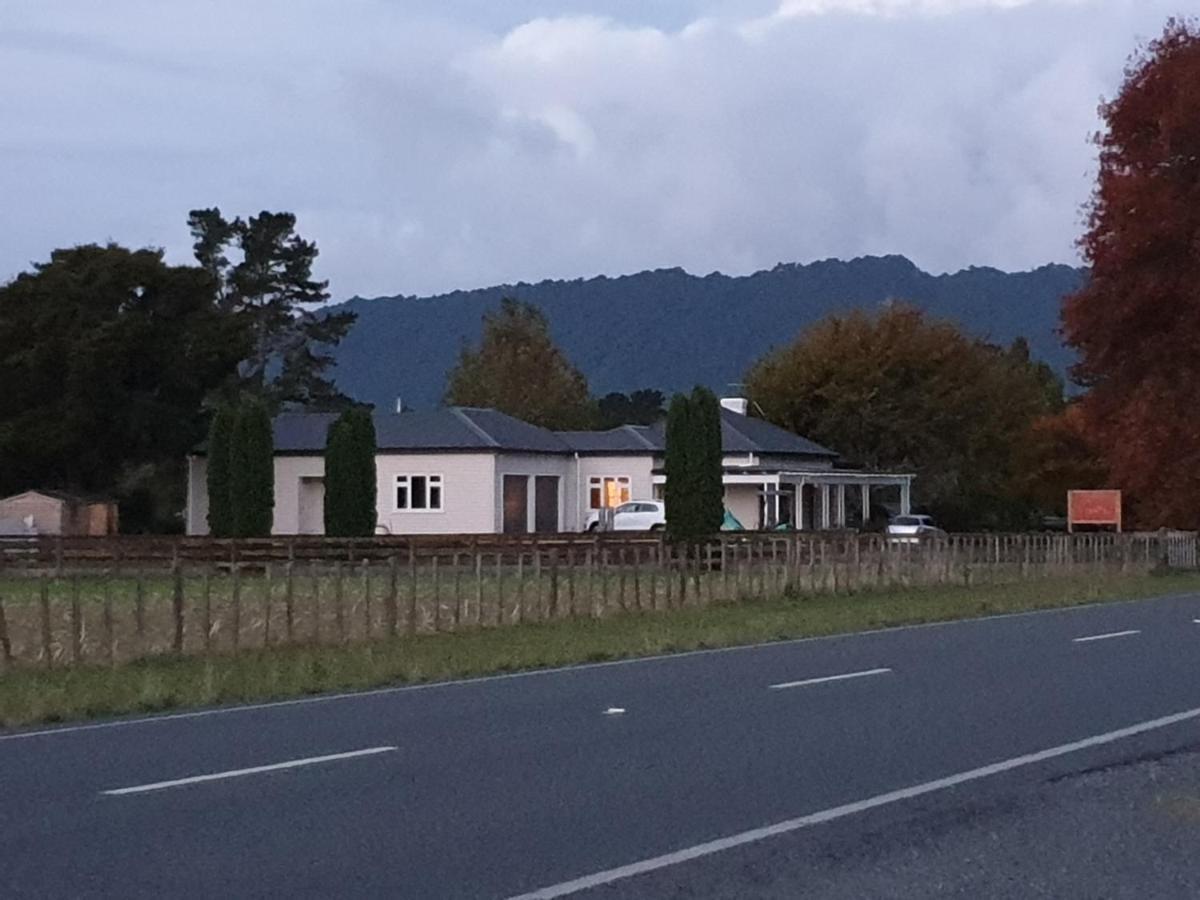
<point>462,470</point>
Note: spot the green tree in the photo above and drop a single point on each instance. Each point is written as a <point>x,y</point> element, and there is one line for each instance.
<point>1136,322</point>
<point>679,492</point>
<point>269,284</point>
<point>252,475</point>
<point>350,489</point>
<point>899,391</point>
<point>518,370</point>
<point>106,355</point>
<point>644,407</point>
<point>708,461</point>
<point>219,472</point>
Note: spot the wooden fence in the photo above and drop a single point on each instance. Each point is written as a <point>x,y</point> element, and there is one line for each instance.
<point>122,610</point>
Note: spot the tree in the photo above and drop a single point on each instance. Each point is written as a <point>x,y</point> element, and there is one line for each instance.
<point>518,370</point>
<point>679,491</point>
<point>113,351</point>
<point>708,460</point>
<point>1136,322</point>
<point>350,475</point>
<point>219,473</point>
<point>644,407</point>
<point>271,286</point>
<point>899,391</point>
<point>252,471</point>
<point>694,492</point>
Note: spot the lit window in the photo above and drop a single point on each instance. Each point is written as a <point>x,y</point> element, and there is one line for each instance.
<point>608,491</point>
<point>419,492</point>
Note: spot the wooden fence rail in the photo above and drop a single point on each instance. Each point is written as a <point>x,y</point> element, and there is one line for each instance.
<point>112,611</point>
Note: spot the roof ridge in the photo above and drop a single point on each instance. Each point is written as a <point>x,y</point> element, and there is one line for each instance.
<point>634,430</point>
<point>478,429</point>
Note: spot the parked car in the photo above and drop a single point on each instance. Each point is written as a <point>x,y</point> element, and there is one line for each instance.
<point>912,529</point>
<point>637,515</point>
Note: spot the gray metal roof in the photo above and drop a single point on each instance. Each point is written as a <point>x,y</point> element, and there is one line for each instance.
<point>624,439</point>
<point>744,434</point>
<point>472,429</point>
<point>453,428</point>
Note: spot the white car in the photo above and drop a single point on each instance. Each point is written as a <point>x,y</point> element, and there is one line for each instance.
<point>637,515</point>
<point>912,529</point>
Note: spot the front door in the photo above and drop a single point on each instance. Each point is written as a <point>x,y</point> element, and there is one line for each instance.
<point>311,519</point>
<point>516,504</point>
<point>545,504</point>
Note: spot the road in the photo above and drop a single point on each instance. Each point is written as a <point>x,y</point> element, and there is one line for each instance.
<point>790,769</point>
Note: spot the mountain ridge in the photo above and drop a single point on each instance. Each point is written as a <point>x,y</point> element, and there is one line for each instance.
<point>624,331</point>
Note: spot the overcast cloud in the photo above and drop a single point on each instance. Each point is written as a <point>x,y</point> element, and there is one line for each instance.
<point>428,146</point>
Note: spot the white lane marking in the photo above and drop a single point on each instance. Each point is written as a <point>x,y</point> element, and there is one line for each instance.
<point>238,773</point>
<point>828,815</point>
<point>1104,637</point>
<point>808,681</point>
<point>577,667</point>
<point>614,711</point>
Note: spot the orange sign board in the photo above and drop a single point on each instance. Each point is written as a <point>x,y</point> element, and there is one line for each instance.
<point>1094,508</point>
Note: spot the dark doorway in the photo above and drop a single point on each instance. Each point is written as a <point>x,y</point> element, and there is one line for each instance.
<point>516,504</point>
<point>545,504</point>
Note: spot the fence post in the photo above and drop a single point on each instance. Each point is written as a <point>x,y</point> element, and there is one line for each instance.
<point>177,603</point>
<point>5,644</point>
<point>499,588</point>
<point>289,597</point>
<point>478,584</point>
<point>390,610</point>
<point>413,588</point>
<point>339,615</point>
<point>207,612</point>
<point>76,622</point>
<point>139,610</point>
<point>456,610</point>
<point>235,603</point>
<point>107,622</point>
<point>437,594</point>
<point>47,636</point>
<point>554,583</point>
<point>268,590</point>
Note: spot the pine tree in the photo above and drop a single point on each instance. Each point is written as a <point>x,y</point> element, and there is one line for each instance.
<point>708,462</point>
<point>350,475</point>
<point>252,476</point>
<point>220,493</point>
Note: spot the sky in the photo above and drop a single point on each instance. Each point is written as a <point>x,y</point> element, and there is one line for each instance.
<point>432,145</point>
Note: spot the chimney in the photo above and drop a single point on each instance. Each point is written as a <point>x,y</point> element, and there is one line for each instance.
<point>739,405</point>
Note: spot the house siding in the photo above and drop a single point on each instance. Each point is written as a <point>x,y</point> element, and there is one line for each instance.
<point>637,468</point>
<point>288,472</point>
<point>50,514</point>
<point>532,465</point>
<point>468,480</point>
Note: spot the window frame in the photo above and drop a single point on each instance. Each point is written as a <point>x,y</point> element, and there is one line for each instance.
<point>597,482</point>
<point>432,480</point>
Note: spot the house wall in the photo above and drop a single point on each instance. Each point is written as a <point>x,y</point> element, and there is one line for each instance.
<point>50,514</point>
<point>468,493</point>
<point>636,468</point>
<point>530,465</point>
<point>288,472</point>
<point>743,500</point>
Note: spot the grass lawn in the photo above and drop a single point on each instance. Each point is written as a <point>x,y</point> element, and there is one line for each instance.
<point>30,696</point>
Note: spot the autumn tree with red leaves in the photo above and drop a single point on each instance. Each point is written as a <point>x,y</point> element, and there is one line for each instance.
<point>1137,321</point>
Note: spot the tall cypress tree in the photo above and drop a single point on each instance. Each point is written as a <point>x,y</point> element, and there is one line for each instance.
<point>220,493</point>
<point>708,462</point>
<point>678,493</point>
<point>252,478</point>
<point>350,475</point>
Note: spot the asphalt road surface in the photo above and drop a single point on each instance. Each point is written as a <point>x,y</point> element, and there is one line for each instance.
<point>1048,754</point>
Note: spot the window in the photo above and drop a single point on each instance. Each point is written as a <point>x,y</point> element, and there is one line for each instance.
<point>608,491</point>
<point>419,493</point>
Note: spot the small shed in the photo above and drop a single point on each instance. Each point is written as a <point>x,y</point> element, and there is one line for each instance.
<point>53,512</point>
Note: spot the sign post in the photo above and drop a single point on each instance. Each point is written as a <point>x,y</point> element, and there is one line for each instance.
<point>1093,508</point>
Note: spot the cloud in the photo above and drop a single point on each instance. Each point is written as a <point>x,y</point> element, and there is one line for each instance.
<point>426,152</point>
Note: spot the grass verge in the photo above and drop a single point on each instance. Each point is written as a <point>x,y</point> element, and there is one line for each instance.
<point>29,696</point>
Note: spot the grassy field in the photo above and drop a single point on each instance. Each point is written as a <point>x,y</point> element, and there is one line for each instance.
<point>29,696</point>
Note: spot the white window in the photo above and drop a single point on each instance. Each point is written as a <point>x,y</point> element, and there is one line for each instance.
<point>608,491</point>
<point>419,493</point>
